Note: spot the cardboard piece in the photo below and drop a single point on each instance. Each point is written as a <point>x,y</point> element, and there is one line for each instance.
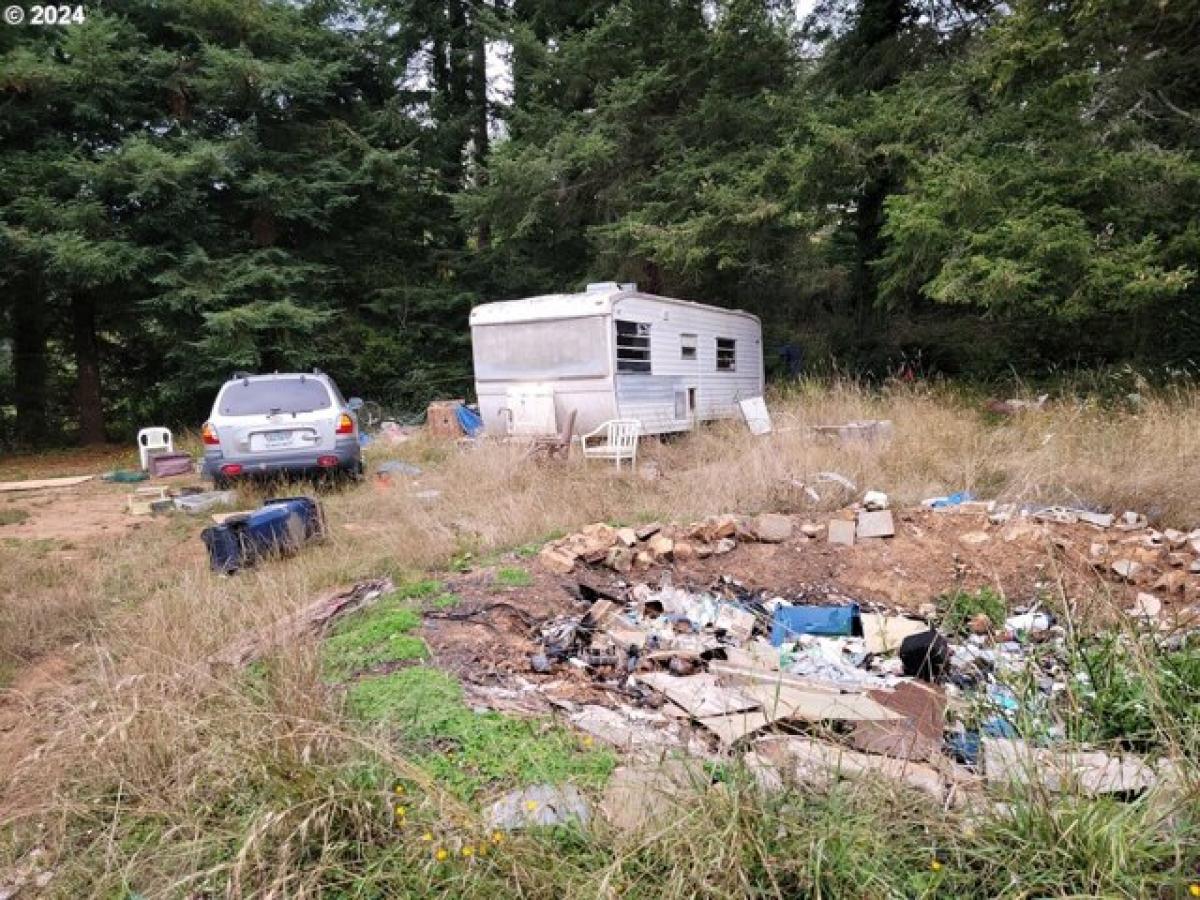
<point>699,694</point>
<point>818,762</point>
<point>917,735</point>
<point>883,634</point>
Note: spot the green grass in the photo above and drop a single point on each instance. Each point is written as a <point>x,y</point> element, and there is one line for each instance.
<point>513,577</point>
<point>374,637</point>
<point>445,601</point>
<point>466,751</point>
<point>958,608</point>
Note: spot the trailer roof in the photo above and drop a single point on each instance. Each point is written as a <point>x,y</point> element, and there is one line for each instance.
<point>596,302</point>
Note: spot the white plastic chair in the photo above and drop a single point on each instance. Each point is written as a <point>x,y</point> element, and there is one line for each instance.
<point>620,438</point>
<point>152,440</point>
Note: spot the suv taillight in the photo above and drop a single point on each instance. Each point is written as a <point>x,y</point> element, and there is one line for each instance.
<point>345,424</point>
<point>209,435</point>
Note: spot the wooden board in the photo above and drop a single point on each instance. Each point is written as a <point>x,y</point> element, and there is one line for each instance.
<point>39,484</point>
<point>699,694</point>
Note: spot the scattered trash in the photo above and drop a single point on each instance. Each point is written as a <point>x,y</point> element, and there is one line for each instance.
<point>280,526</point>
<point>124,476</point>
<point>737,667</point>
<point>1028,623</point>
<point>791,621</point>
<point>955,499</point>
<point>875,500</point>
<point>925,655</point>
<point>198,503</point>
<point>166,465</point>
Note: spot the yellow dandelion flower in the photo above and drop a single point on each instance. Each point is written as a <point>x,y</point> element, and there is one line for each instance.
<point>531,805</point>
<point>401,812</point>
<point>442,854</point>
<point>587,742</point>
<point>468,851</point>
<point>399,789</point>
<point>935,865</point>
<point>497,837</point>
<point>1194,890</point>
<point>427,836</point>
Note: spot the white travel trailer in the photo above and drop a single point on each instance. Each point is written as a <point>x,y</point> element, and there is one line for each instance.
<point>611,352</point>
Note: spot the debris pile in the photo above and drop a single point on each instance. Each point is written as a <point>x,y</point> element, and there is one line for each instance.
<point>827,683</point>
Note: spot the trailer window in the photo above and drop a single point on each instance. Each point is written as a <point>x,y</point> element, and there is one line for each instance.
<point>687,346</point>
<point>726,355</point>
<point>556,348</point>
<point>633,346</point>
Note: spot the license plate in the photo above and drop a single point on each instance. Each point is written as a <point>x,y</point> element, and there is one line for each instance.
<point>276,439</point>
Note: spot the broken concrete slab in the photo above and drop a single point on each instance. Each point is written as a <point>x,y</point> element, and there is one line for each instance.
<point>1146,606</point>
<point>840,531</point>
<point>1097,520</point>
<point>771,528</point>
<point>627,536</point>
<point>560,562</point>
<point>876,524</point>
<point>541,805</point>
<point>620,559</point>
<point>1126,568</point>
<point>660,546</point>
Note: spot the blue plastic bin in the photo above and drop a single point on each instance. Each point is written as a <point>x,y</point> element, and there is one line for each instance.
<point>827,621</point>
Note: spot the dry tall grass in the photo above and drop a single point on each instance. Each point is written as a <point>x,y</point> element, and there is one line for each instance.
<point>142,723</point>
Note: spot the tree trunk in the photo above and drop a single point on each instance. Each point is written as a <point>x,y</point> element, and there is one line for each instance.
<point>480,140</point>
<point>30,367</point>
<point>87,366</point>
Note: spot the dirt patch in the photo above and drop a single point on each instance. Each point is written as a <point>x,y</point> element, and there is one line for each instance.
<point>74,516</point>
<point>488,637</point>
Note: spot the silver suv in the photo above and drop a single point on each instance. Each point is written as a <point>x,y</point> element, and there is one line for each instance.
<point>286,423</point>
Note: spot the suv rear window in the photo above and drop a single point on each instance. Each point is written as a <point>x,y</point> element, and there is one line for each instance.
<point>287,395</point>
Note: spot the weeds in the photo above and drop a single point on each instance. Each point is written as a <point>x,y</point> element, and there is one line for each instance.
<point>957,609</point>
<point>465,751</point>
<point>512,577</point>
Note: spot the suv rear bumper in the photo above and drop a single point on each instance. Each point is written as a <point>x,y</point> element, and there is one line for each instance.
<point>348,453</point>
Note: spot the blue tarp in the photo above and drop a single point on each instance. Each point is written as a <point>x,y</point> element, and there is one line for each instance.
<point>829,621</point>
<point>471,423</point>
